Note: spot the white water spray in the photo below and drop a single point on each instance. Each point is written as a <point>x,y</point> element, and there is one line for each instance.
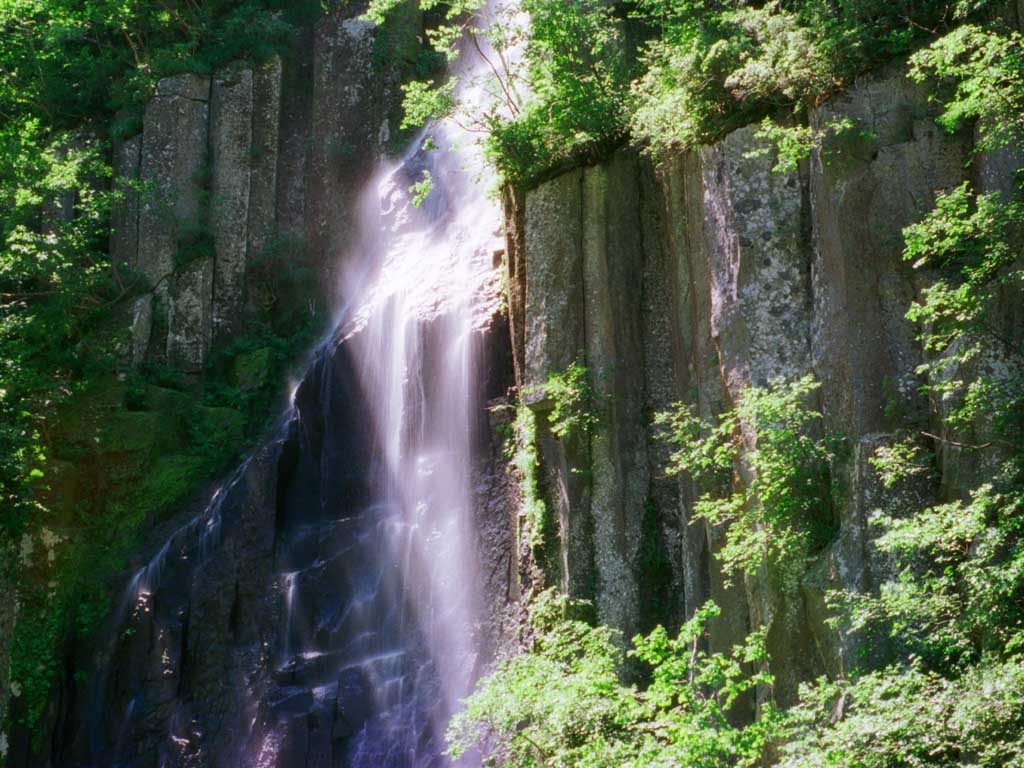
<point>416,341</point>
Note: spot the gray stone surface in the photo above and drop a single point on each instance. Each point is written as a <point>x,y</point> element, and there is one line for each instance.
<point>554,336</point>
<point>865,187</point>
<point>124,214</point>
<point>264,158</point>
<point>190,315</point>
<point>141,328</point>
<point>231,151</point>
<point>853,562</point>
<point>759,264</point>
<point>554,326</point>
<point>666,539</point>
<point>700,384</point>
<point>186,86</point>
<point>343,149</point>
<point>746,277</point>
<point>613,260</point>
<point>173,163</point>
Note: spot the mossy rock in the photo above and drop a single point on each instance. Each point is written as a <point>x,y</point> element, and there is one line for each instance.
<point>217,433</point>
<point>168,401</point>
<point>82,420</point>
<point>147,432</point>
<point>62,480</point>
<point>225,421</point>
<point>172,478</point>
<point>252,370</point>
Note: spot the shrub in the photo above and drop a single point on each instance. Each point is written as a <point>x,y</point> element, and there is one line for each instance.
<point>561,702</point>
<point>783,512</point>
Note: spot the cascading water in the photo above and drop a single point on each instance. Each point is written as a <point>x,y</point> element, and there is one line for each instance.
<point>414,340</point>
<point>415,343</point>
<point>325,608</point>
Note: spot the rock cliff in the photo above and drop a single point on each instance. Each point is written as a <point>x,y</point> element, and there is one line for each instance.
<point>703,277</point>
<point>237,204</point>
<point>236,172</point>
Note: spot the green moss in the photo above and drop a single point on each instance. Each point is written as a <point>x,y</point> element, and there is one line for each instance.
<point>169,481</point>
<point>118,470</point>
<point>167,401</point>
<point>783,514</point>
<point>216,433</point>
<point>252,370</point>
<point>152,433</point>
<point>536,521</point>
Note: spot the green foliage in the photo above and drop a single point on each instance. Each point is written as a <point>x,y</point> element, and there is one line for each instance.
<point>54,288</point>
<point>558,90</point>
<point>981,77</point>
<point>972,240</point>
<point>421,189</point>
<point>711,67</point>
<point>282,283</point>
<point>66,62</point>
<point>580,77</point>
<point>570,417</point>
<point>79,474</point>
<point>794,143</point>
<point>972,243</point>
<point>561,703</point>
<point>899,461</point>
<point>952,613</point>
<point>57,293</point>
<point>424,102</point>
<point>576,71</point>
<point>534,513</point>
<point>905,716</point>
<point>572,402</point>
<point>782,512</point>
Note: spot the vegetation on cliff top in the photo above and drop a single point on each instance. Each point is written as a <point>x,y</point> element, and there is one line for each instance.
<point>572,80</point>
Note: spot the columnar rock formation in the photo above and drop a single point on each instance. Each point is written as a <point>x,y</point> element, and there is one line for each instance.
<point>710,275</point>
<point>232,169</point>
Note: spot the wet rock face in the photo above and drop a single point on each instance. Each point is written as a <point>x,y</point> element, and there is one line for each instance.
<point>275,628</point>
<point>191,671</point>
<point>720,275</point>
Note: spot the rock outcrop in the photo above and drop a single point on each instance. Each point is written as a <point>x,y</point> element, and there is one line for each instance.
<point>238,173</point>
<point>237,203</point>
<point>715,274</point>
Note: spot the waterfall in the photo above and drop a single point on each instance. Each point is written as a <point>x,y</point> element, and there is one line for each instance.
<point>415,341</point>
<point>325,609</point>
